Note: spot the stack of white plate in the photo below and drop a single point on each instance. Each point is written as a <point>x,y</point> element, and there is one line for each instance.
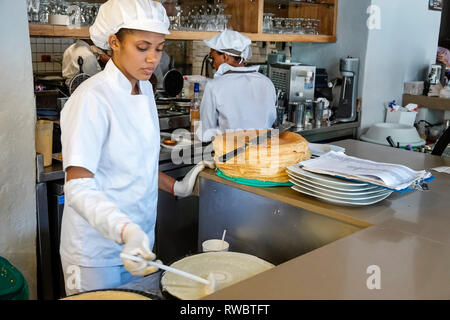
<point>335,190</point>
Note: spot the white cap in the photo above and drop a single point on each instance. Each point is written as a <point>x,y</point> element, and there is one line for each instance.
<point>114,15</point>
<point>232,43</point>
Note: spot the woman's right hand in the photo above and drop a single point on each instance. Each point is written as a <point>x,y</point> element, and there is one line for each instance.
<point>137,243</point>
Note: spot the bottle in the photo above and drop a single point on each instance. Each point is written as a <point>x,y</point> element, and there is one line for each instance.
<point>195,108</point>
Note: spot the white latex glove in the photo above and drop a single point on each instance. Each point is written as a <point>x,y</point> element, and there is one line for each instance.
<point>137,243</point>
<point>185,187</point>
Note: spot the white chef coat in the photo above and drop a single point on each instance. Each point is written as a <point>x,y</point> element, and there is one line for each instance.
<point>70,66</point>
<point>114,135</point>
<point>237,98</point>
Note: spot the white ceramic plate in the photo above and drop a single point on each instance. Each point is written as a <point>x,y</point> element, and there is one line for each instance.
<point>341,196</point>
<point>318,149</point>
<point>325,185</point>
<point>337,201</point>
<point>345,193</point>
<point>182,142</point>
<point>325,179</point>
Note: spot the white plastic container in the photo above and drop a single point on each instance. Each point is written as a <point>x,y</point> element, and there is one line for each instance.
<point>401,117</point>
<point>58,19</point>
<point>215,245</point>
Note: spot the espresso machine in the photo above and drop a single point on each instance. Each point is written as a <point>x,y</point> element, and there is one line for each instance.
<point>346,108</point>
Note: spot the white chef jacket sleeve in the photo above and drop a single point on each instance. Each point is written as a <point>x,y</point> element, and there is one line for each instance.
<point>208,115</point>
<point>84,128</point>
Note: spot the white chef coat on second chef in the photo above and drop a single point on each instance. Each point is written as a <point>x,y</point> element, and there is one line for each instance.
<point>237,98</point>
<point>70,66</point>
<point>115,135</point>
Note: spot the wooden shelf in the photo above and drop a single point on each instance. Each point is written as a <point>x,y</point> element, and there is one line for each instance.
<point>247,18</point>
<point>427,102</point>
<point>43,30</point>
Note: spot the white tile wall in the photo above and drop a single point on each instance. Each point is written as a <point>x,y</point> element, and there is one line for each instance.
<point>54,47</point>
<point>192,52</point>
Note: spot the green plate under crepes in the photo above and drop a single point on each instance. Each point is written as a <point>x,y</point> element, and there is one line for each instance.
<point>253,182</point>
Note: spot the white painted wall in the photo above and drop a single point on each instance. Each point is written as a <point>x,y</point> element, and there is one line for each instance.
<point>17,122</point>
<point>400,51</point>
<point>352,36</point>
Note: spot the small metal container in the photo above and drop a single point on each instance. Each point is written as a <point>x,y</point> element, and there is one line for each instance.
<point>318,113</point>
<point>298,114</point>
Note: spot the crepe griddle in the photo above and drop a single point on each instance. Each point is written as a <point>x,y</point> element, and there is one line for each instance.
<point>227,267</point>
<point>86,294</point>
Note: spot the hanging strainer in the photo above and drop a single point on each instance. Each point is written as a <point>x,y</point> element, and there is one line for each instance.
<point>79,78</point>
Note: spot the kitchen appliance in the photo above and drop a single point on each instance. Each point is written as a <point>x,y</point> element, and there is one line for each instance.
<point>173,114</point>
<point>346,110</point>
<point>276,58</point>
<point>296,80</point>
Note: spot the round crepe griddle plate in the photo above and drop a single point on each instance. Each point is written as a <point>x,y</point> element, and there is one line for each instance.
<point>112,294</point>
<point>227,267</point>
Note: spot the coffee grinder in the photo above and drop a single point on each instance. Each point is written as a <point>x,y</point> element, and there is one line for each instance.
<point>346,109</point>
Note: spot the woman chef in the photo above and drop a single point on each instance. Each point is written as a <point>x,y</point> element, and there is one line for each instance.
<point>111,143</point>
<point>237,97</point>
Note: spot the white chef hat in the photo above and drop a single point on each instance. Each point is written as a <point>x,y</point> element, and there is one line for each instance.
<point>232,43</point>
<point>114,15</point>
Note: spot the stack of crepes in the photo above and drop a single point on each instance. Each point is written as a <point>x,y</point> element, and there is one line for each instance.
<point>266,161</point>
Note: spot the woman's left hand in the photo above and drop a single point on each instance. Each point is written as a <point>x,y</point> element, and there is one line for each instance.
<point>185,187</point>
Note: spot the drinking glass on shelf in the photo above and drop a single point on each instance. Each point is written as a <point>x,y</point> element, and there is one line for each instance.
<point>316,26</point>
<point>278,28</point>
<point>44,11</point>
<point>33,10</point>
<point>268,23</point>
<point>299,26</point>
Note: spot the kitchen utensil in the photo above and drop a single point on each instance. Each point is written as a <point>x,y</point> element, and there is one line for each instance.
<point>79,78</point>
<point>223,238</point>
<point>298,114</point>
<point>210,283</point>
<point>390,141</point>
<point>227,267</point>
<point>267,135</point>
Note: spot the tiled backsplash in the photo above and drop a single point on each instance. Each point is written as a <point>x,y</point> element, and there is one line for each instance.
<point>192,52</point>
<point>53,47</point>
